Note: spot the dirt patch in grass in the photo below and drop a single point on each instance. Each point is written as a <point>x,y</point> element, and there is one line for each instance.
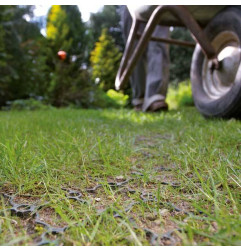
<point>50,217</point>
<point>26,199</point>
<point>151,141</point>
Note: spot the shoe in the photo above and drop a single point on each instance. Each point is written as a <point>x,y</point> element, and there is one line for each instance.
<point>138,107</point>
<point>158,106</point>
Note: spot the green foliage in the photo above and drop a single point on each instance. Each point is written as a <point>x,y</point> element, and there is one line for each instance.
<point>105,60</point>
<point>23,70</point>
<point>28,104</point>
<point>29,63</point>
<point>184,96</point>
<point>66,31</point>
<point>2,47</point>
<point>94,98</point>
<point>101,100</point>
<point>107,18</point>
<point>77,33</point>
<point>118,97</point>
<point>180,96</point>
<point>75,89</point>
<point>58,29</point>
<point>69,81</point>
<point>68,86</point>
<point>180,56</point>
<point>29,66</point>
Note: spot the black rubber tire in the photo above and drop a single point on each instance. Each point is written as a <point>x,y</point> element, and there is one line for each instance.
<point>228,105</point>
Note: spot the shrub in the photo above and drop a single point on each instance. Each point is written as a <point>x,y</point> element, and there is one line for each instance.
<point>105,61</point>
<point>118,97</point>
<point>184,95</point>
<point>180,96</point>
<point>26,104</point>
<point>102,100</point>
<point>180,56</point>
<point>92,97</point>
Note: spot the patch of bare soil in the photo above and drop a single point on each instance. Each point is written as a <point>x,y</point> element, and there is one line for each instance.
<point>50,217</point>
<point>152,140</point>
<point>26,199</point>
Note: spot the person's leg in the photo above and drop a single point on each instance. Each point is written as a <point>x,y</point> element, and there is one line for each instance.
<point>157,72</point>
<point>137,81</point>
<point>138,78</point>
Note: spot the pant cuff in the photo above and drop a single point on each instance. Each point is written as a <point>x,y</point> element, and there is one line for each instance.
<point>148,101</point>
<point>137,101</point>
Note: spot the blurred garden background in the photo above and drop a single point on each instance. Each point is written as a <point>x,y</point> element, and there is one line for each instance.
<point>32,76</point>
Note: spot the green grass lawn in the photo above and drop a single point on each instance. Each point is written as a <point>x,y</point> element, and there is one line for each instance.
<point>165,179</point>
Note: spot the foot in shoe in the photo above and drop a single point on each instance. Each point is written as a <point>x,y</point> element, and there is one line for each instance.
<point>158,106</point>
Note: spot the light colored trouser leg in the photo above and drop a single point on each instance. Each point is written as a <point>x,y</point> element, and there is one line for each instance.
<point>138,81</point>
<point>157,69</point>
<point>154,62</point>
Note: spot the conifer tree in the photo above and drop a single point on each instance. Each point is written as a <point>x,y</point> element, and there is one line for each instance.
<point>22,62</point>
<point>66,31</point>
<point>105,60</point>
<point>58,29</point>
